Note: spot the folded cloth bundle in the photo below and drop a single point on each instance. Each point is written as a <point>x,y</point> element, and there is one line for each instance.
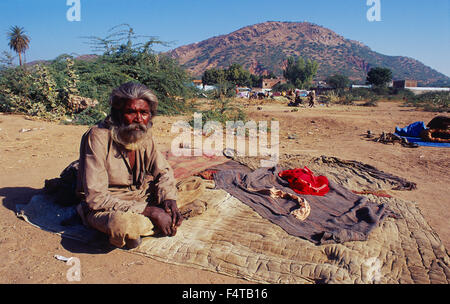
<point>412,130</point>
<point>303,181</point>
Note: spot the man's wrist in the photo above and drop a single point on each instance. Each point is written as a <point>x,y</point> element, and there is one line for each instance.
<point>149,211</point>
<point>168,202</point>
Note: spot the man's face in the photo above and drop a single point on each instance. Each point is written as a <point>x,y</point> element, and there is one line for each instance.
<point>135,120</point>
<point>136,111</point>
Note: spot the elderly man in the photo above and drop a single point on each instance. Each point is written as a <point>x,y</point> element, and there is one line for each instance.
<point>127,187</point>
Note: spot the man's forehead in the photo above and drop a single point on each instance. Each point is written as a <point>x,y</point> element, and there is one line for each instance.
<point>136,104</point>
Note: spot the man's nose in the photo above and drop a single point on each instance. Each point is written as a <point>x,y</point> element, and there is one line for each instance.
<point>138,118</point>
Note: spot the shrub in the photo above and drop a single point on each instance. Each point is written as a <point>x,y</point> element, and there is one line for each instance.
<point>431,101</point>
<point>89,116</point>
<point>380,90</point>
<point>332,97</point>
<point>224,89</point>
<point>30,92</point>
<point>373,102</point>
<point>222,111</point>
<point>338,81</point>
<point>280,87</point>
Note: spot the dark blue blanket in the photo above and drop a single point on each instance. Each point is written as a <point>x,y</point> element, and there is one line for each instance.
<point>421,142</point>
<point>413,130</point>
<point>412,134</point>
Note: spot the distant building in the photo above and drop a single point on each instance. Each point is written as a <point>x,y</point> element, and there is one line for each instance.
<point>402,84</point>
<point>421,90</point>
<point>270,83</point>
<point>201,86</point>
<point>358,86</point>
<point>412,86</point>
<point>207,87</point>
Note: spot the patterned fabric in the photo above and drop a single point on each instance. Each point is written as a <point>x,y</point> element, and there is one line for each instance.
<point>185,166</point>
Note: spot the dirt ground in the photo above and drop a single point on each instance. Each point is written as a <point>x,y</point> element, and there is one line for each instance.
<point>28,158</point>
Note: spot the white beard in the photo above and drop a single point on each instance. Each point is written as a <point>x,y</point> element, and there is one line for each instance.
<point>130,144</point>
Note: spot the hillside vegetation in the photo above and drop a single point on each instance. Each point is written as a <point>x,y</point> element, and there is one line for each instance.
<point>46,89</point>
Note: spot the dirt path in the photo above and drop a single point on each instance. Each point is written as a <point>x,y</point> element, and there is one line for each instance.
<point>28,158</point>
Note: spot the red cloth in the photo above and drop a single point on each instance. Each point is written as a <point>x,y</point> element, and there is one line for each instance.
<point>207,174</point>
<point>303,181</point>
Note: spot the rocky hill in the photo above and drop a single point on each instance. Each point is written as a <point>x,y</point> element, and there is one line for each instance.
<point>265,47</point>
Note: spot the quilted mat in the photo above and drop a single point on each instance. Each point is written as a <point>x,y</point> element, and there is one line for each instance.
<point>230,238</point>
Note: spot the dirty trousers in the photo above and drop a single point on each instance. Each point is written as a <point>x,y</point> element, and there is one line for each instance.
<point>126,226</point>
<point>118,225</point>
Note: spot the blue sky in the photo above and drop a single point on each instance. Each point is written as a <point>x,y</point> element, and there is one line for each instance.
<point>415,28</point>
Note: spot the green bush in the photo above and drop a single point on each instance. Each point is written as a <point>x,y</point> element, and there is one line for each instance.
<point>89,116</point>
<point>31,92</point>
<point>224,89</point>
<point>380,90</point>
<point>431,101</point>
<point>358,94</point>
<point>222,111</point>
<point>280,87</point>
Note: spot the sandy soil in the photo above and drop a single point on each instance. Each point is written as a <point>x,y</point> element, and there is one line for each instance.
<point>28,158</point>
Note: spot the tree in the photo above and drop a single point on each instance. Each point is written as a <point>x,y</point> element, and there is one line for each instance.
<point>18,41</point>
<point>7,59</point>
<point>237,75</point>
<point>379,77</point>
<point>255,80</point>
<point>128,56</point>
<point>213,76</point>
<point>123,40</point>
<point>299,72</point>
<point>338,81</point>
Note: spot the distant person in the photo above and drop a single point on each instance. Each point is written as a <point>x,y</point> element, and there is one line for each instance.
<point>291,95</point>
<point>126,186</point>
<point>312,98</point>
<point>298,98</point>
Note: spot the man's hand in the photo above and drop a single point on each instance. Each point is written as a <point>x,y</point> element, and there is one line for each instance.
<point>160,219</point>
<point>170,206</point>
<point>167,218</point>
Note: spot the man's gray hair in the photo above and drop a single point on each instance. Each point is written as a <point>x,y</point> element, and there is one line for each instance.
<point>131,90</point>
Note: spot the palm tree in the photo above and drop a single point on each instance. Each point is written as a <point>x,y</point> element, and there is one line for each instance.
<point>18,41</point>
